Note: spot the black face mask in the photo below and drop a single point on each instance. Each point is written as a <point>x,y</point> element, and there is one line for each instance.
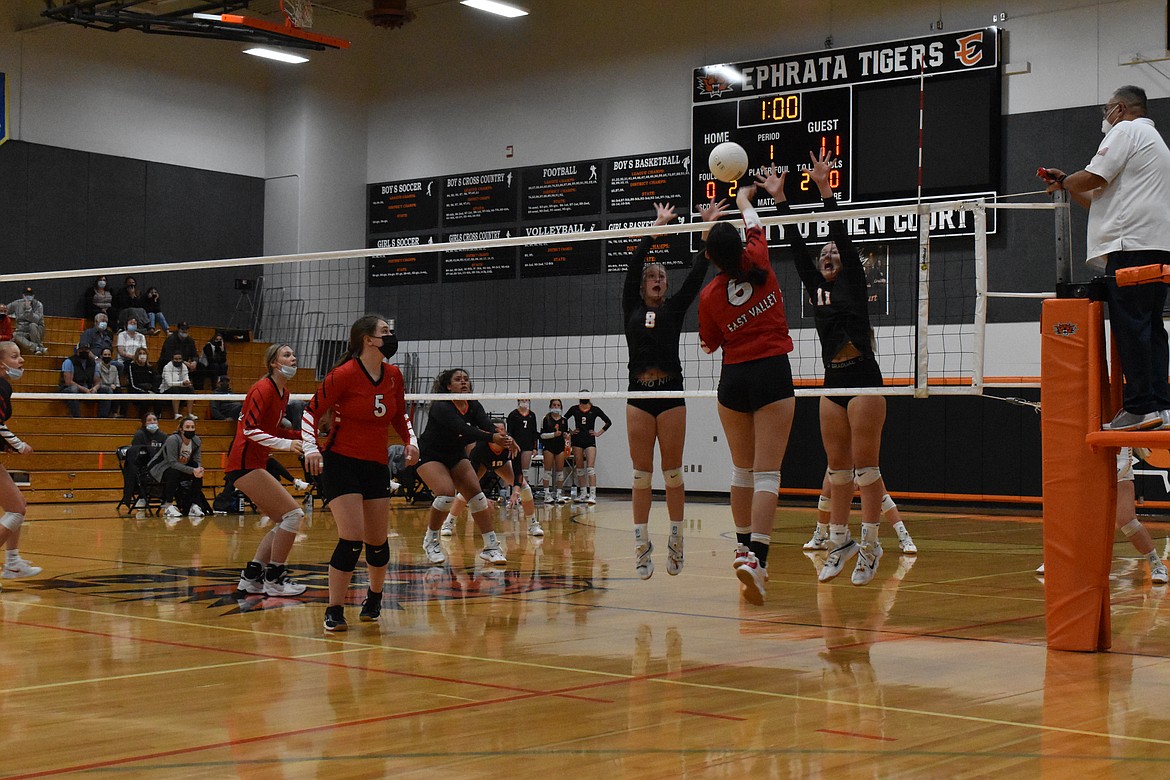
<point>106,358</point>
<point>188,434</point>
<point>83,354</point>
<point>3,316</point>
<point>389,346</point>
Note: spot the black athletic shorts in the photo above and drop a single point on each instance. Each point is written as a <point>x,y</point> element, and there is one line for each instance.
<point>449,459</point>
<point>341,476</point>
<point>230,477</point>
<point>656,406</point>
<point>861,371</point>
<point>746,387</point>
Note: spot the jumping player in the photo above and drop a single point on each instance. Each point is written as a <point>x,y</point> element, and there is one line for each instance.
<point>366,394</point>
<point>258,432</point>
<point>582,419</point>
<point>851,426</point>
<point>653,328</point>
<point>741,311</point>
<point>13,503</point>
<point>445,468</point>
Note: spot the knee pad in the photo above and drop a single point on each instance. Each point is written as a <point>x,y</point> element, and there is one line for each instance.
<point>741,477</point>
<point>766,482</point>
<point>673,477</point>
<point>378,555</point>
<point>1131,528</point>
<point>590,472</point>
<point>478,503</point>
<point>840,476</point>
<point>11,520</point>
<point>345,555</point>
<point>888,503</point>
<point>823,503</point>
<point>526,494</point>
<point>291,521</point>
<point>641,480</point>
<point>867,475</point>
<point>443,503</point>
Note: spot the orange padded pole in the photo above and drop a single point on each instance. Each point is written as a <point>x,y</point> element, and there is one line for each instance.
<point>1127,277</point>
<point>1080,483</point>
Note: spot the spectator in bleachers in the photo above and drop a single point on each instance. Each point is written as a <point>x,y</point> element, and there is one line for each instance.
<point>79,375</point>
<point>225,410</point>
<point>142,378</point>
<point>108,382</point>
<point>181,342</point>
<point>146,442</point>
<point>98,337</point>
<point>128,303</point>
<point>98,298</point>
<point>156,320</point>
<point>129,342</point>
<point>179,468</point>
<point>176,379</point>
<point>29,326</point>
<point>5,323</point>
<point>213,362</point>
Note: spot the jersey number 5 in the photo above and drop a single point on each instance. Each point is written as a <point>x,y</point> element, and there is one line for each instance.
<point>379,407</point>
<point>738,293</point>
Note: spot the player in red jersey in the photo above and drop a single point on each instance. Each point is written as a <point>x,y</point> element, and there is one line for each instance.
<point>11,367</point>
<point>741,311</point>
<point>258,432</point>
<point>366,395</point>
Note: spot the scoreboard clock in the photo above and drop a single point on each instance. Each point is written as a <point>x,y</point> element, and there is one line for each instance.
<point>863,105</point>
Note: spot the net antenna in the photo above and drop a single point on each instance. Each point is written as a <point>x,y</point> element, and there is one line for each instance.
<point>297,13</point>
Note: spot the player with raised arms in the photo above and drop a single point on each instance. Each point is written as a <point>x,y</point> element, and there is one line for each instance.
<point>653,328</point>
<point>851,426</point>
<point>741,311</point>
<point>446,469</point>
<point>258,432</point>
<point>11,501</point>
<point>365,393</point>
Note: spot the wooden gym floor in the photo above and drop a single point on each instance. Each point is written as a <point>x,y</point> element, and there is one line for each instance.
<point>131,656</point>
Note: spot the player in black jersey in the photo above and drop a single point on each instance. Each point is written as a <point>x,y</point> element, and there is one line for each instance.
<point>851,426</point>
<point>582,420</point>
<point>653,324</point>
<point>554,438</point>
<point>524,429</point>
<point>486,457</point>
<point>13,503</point>
<point>445,468</point>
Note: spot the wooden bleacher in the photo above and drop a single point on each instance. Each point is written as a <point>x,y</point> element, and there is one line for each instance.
<point>74,458</point>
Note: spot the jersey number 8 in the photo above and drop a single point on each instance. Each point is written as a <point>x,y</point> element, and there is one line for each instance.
<point>651,316</point>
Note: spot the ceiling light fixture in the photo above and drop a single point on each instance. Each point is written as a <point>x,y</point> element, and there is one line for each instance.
<point>493,7</point>
<point>279,56</point>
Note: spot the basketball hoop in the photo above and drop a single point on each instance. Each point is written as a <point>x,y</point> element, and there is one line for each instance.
<point>297,13</point>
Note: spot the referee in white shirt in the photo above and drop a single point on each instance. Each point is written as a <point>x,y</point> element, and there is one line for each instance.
<point>1126,187</point>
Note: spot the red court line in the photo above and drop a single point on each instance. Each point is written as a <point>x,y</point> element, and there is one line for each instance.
<point>855,734</point>
<point>708,715</point>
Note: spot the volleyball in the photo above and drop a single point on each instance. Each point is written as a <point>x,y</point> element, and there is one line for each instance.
<point>728,161</point>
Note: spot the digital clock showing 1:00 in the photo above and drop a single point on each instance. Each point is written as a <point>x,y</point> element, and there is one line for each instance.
<point>778,129</point>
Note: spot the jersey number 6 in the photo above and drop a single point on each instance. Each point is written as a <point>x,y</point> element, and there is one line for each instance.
<point>738,293</point>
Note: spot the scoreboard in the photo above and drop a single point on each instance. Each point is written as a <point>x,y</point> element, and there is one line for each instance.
<point>863,104</point>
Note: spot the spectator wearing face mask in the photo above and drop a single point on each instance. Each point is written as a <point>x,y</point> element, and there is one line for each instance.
<point>225,410</point>
<point>156,320</point>
<point>128,303</point>
<point>142,378</point>
<point>5,323</point>
<point>178,466</point>
<point>146,442</point>
<point>129,342</point>
<point>176,379</point>
<point>79,375</point>
<point>28,317</point>
<point>213,362</point>
<point>97,337</point>
<point>180,341</point>
<point>98,298</point>
<point>108,382</point>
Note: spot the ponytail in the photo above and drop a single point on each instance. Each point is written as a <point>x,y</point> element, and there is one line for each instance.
<point>725,250</point>
<point>364,326</point>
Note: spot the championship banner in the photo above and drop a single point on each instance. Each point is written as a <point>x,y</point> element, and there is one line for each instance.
<point>3,107</point>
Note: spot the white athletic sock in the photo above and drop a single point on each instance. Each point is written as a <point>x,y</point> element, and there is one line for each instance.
<point>430,535</point>
<point>489,540</point>
<point>676,529</point>
<point>900,530</point>
<point>1151,556</point>
<point>641,532</point>
<point>822,530</point>
<point>838,534</point>
<point>869,533</point>
<point>13,556</point>
<point>450,518</point>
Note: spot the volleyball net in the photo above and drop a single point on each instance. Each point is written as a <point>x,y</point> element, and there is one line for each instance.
<point>560,333</point>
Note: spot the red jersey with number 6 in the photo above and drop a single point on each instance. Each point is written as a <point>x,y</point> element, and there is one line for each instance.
<point>364,407</point>
<point>746,320</point>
